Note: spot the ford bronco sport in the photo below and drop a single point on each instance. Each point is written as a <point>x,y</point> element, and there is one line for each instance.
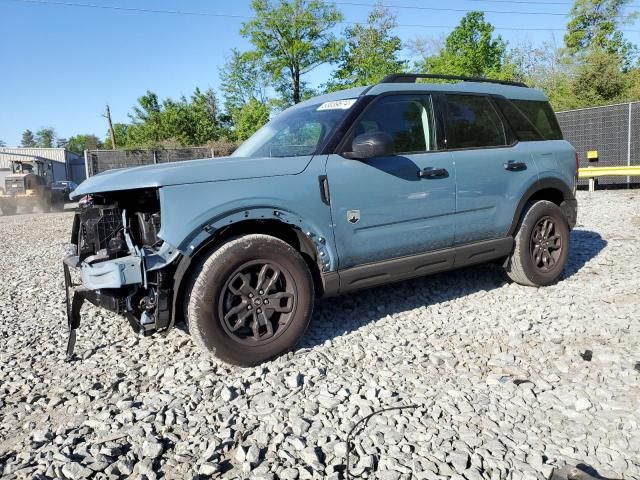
<point>344,191</point>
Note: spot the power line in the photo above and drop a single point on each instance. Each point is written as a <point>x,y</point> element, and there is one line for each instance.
<point>442,9</point>
<point>246,17</point>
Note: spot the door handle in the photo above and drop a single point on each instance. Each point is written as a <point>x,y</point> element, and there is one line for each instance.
<point>431,172</point>
<point>514,166</point>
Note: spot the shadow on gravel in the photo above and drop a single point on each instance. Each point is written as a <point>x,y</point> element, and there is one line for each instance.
<point>336,316</point>
<point>585,245</point>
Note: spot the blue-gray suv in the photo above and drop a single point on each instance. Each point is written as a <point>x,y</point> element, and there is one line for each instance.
<point>345,191</point>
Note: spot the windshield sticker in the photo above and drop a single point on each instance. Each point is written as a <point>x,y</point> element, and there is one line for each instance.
<point>337,105</point>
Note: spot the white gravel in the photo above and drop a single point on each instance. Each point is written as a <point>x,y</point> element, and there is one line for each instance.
<point>494,368</point>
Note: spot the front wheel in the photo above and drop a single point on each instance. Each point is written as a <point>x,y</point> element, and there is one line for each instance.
<point>541,245</point>
<point>251,300</point>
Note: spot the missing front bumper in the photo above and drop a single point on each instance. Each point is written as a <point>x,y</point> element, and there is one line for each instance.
<point>76,294</point>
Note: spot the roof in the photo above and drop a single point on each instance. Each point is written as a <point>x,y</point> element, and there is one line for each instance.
<point>9,154</point>
<point>509,91</point>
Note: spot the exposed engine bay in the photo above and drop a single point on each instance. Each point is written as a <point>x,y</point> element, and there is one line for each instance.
<point>125,267</point>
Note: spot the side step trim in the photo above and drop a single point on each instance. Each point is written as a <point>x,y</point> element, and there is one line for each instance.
<point>404,268</point>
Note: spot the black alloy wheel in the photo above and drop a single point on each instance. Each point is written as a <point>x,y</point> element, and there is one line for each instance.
<point>258,302</point>
<point>546,244</point>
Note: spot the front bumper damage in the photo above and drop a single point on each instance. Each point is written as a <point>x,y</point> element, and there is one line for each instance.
<point>135,285</point>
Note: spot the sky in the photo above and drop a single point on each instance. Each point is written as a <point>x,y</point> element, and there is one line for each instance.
<point>61,64</point>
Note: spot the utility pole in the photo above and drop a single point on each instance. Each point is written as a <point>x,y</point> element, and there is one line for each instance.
<point>107,115</point>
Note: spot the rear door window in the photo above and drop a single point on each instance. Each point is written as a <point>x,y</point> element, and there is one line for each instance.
<point>473,122</point>
<point>541,115</point>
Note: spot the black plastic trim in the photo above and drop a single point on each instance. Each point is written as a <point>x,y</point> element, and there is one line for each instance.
<point>543,184</point>
<point>404,268</point>
<point>412,77</point>
<point>335,139</point>
<point>325,195</point>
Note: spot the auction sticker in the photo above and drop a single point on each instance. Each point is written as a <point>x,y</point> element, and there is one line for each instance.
<point>337,105</point>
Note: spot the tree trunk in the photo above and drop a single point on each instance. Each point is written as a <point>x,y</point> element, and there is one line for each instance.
<point>296,86</point>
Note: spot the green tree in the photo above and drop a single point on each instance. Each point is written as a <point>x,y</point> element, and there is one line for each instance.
<point>120,131</point>
<point>599,79</point>
<point>243,79</point>
<point>186,121</point>
<point>249,118</point>
<point>28,139</point>
<point>595,24</point>
<point>80,143</point>
<point>371,51</point>
<point>547,67</point>
<point>2,143</point>
<point>293,37</point>
<point>471,49</point>
<point>45,137</point>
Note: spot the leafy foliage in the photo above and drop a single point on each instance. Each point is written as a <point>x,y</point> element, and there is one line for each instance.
<point>293,37</point>
<point>249,118</point>
<point>80,143</point>
<point>371,51</point>
<point>472,50</point>
<point>121,131</point>
<point>594,25</point>
<point>45,137</point>
<point>28,139</point>
<point>183,122</point>
<point>243,79</point>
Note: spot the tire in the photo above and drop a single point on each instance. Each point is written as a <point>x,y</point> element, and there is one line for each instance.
<point>230,280</point>
<point>541,245</point>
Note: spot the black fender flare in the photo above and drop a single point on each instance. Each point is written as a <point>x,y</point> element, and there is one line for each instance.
<point>568,205</point>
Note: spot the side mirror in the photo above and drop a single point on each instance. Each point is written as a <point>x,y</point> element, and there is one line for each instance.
<point>370,145</point>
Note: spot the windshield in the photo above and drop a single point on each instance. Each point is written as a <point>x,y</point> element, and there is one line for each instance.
<point>295,132</point>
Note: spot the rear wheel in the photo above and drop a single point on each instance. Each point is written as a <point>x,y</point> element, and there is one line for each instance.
<point>541,245</point>
<point>251,300</point>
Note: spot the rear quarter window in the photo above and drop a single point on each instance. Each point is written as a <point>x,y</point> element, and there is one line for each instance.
<point>541,115</point>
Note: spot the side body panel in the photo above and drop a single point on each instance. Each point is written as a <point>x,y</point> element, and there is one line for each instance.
<point>398,213</point>
<point>555,159</point>
<point>488,193</point>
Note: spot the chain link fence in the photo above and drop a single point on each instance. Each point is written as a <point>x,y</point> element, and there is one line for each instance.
<point>98,161</point>
<point>612,130</point>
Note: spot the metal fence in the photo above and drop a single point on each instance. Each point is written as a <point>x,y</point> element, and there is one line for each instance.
<point>97,161</point>
<point>612,130</point>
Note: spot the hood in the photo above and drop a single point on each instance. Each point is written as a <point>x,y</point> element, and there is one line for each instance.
<point>190,171</point>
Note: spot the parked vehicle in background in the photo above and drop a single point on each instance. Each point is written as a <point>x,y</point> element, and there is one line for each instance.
<point>66,186</point>
<point>26,187</point>
<point>344,191</point>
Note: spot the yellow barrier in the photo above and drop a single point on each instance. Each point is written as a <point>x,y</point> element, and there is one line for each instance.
<point>592,172</point>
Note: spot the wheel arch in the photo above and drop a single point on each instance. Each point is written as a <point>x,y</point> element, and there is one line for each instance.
<point>550,189</point>
<point>309,244</point>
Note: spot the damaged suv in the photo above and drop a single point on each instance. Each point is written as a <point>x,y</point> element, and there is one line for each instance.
<point>344,191</point>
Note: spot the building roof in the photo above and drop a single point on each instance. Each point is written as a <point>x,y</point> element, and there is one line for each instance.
<point>9,154</point>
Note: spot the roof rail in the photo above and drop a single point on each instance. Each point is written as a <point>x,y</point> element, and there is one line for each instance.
<point>412,77</point>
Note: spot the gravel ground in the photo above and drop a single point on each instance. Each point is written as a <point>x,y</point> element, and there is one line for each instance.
<point>496,373</point>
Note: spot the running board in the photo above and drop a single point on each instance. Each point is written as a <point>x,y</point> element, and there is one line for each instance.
<point>404,268</point>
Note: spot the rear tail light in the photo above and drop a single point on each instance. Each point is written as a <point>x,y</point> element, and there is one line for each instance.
<point>577,162</point>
